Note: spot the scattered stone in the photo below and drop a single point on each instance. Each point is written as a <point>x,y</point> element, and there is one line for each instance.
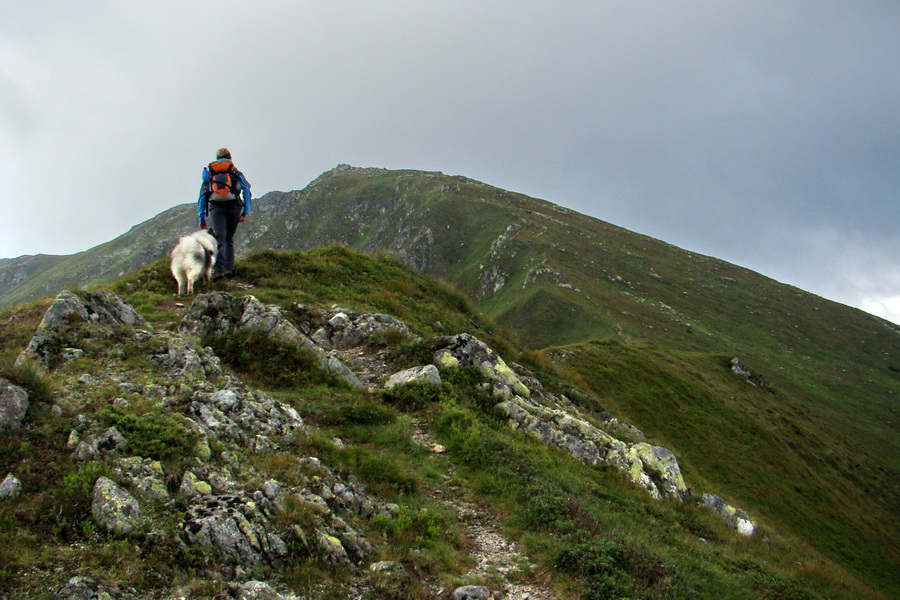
<point>383,566</point>
<point>114,509</point>
<point>471,592</point>
<point>342,331</point>
<point>733,517</point>
<point>192,486</point>
<point>427,374</point>
<point>740,369</point>
<point>221,313</point>
<point>13,405</point>
<point>85,588</point>
<point>257,590</point>
<point>10,488</point>
<point>94,447</point>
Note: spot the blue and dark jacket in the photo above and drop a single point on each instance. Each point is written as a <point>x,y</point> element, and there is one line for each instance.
<point>205,192</point>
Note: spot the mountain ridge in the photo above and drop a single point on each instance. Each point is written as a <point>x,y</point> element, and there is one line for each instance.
<point>562,281</point>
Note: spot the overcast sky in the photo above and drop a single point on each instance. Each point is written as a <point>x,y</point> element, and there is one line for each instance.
<point>765,133</point>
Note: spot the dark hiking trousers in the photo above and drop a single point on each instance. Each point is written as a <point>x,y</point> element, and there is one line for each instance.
<point>223,218</point>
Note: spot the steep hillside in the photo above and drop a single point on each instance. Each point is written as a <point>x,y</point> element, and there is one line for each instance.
<point>669,322</point>
<point>259,446</point>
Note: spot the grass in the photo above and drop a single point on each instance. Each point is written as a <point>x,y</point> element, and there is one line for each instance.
<point>592,533</point>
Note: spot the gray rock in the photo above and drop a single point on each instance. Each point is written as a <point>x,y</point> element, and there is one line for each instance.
<point>235,526</point>
<point>220,313</point>
<point>94,447</point>
<point>426,374</point>
<point>344,331</point>
<point>85,588</point>
<point>733,517</point>
<point>652,467</point>
<point>465,350</point>
<point>145,476</point>
<point>238,414</point>
<point>114,509</point>
<point>257,590</point>
<point>103,308</point>
<point>10,488</point>
<point>13,405</point>
<point>471,592</point>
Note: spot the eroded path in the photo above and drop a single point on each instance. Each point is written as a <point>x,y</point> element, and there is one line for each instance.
<point>497,558</point>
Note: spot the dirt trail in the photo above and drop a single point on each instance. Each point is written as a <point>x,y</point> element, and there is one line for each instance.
<point>497,558</point>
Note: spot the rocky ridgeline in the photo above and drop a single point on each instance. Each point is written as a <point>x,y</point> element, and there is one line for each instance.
<point>220,502</point>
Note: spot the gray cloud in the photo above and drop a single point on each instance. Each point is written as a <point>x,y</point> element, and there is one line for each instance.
<point>764,133</point>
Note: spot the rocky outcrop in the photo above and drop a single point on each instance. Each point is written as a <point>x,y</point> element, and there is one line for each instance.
<point>742,370</point>
<point>349,331</point>
<point>96,446</point>
<point>221,313</point>
<point>244,416</point>
<point>104,309</point>
<point>652,467</point>
<point>465,350</point>
<point>13,405</point>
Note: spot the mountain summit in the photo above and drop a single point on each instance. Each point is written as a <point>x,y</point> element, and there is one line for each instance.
<point>776,400</point>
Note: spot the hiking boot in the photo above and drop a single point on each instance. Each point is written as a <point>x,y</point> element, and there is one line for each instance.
<point>218,276</point>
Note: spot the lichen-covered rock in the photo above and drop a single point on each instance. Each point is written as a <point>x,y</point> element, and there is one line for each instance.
<point>234,525</point>
<point>145,476</point>
<point>651,467</point>
<point>427,374</point>
<point>348,331</point>
<point>256,590</point>
<point>13,405</point>
<point>102,308</point>
<point>471,592</point>
<point>114,509</point>
<point>465,350</point>
<point>85,588</point>
<point>239,414</point>
<point>94,447</point>
<point>192,486</point>
<point>221,313</point>
<point>184,359</point>
<point>733,517</point>
<point>10,488</point>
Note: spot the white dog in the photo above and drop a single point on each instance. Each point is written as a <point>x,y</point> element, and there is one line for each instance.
<point>193,258</point>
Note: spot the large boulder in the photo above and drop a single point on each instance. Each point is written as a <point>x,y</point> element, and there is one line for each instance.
<point>114,509</point>
<point>13,405</point>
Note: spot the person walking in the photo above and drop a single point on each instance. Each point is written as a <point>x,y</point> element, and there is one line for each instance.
<point>220,199</point>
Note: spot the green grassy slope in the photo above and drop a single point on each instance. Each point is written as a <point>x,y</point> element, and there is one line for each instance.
<point>590,533</point>
<point>555,277</point>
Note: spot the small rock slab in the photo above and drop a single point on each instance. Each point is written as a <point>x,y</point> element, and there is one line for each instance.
<point>13,404</point>
<point>114,509</point>
<point>10,488</point>
<point>426,374</point>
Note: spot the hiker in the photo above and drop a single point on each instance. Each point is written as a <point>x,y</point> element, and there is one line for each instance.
<point>220,198</point>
